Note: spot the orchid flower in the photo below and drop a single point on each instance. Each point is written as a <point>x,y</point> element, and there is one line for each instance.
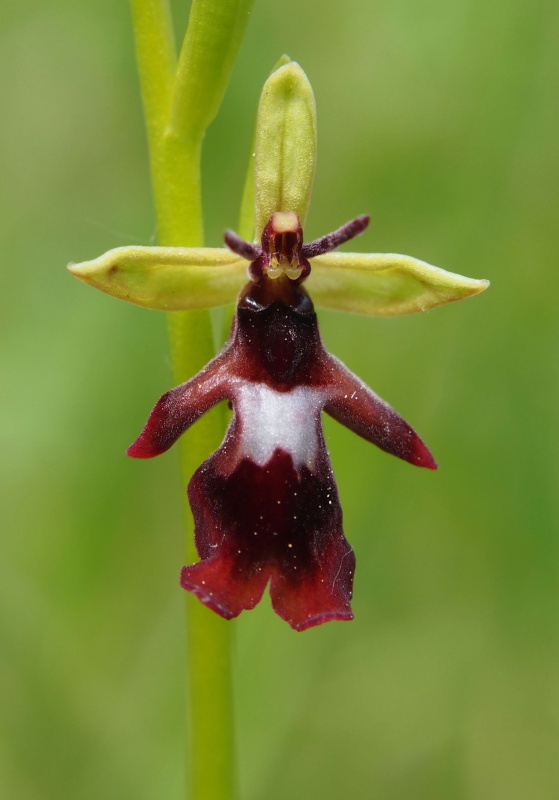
<point>265,505</point>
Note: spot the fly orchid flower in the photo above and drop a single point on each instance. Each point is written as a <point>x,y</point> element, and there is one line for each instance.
<point>265,505</point>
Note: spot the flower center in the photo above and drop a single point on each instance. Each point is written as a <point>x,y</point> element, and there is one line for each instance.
<point>282,252</point>
<point>284,241</point>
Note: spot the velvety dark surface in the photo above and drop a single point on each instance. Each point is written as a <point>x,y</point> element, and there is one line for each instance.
<point>271,523</point>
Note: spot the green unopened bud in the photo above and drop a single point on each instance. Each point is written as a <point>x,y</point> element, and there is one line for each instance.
<point>285,146</point>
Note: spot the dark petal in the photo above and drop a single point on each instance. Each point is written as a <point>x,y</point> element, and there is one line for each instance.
<point>358,408</point>
<point>181,407</point>
<point>270,522</point>
<point>332,240</point>
<point>241,247</point>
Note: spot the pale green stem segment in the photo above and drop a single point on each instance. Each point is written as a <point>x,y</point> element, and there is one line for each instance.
<point>179,103</point>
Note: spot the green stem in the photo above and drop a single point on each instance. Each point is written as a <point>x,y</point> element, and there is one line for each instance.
<point>180,100</point>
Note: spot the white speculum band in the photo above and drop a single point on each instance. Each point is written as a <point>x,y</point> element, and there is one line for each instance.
<point>272,420</point>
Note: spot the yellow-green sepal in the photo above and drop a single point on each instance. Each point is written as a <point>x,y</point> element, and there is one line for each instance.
<point>166,278</point>
<point>285,145</point>
<point>385,284</point>
<point>245,226</point>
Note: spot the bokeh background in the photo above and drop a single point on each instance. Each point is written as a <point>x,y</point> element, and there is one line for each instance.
<point>440,119</point>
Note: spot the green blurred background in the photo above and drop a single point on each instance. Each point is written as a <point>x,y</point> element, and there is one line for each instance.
<point>440,120</point>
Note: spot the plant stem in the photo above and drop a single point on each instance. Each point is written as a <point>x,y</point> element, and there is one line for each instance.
<point>180,100</point>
